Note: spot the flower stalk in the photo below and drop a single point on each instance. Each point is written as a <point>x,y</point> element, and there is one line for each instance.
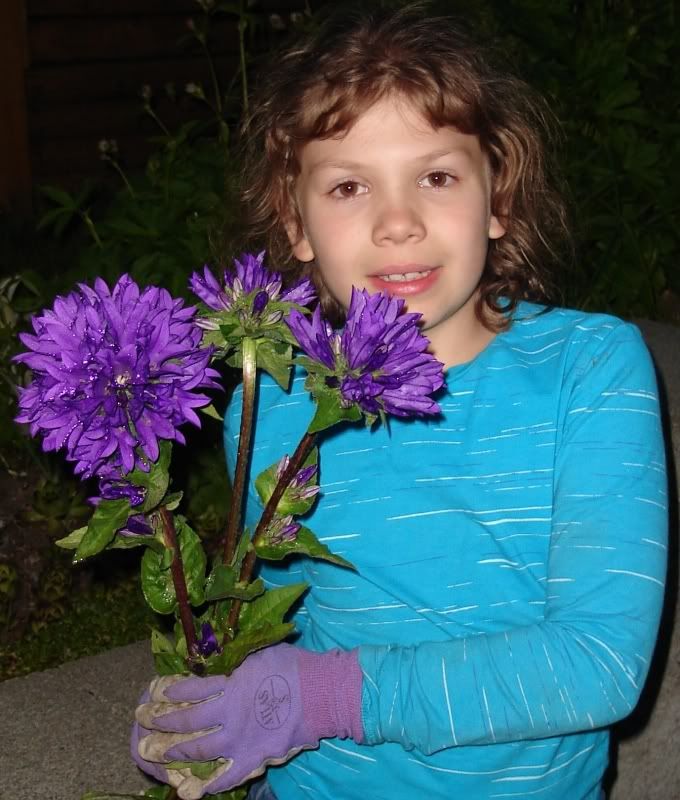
<point>298,458</point>
<point>249,355</point>
<point>179,582</point>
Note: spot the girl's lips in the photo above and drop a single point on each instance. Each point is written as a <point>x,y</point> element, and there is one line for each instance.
<point>406,288</point>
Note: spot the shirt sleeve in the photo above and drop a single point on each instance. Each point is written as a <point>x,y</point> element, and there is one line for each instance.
<point>584,664</point>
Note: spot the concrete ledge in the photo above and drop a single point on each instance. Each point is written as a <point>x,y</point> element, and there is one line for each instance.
<point>66,730</point>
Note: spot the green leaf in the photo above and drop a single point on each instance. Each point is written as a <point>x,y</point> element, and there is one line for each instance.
<point>157,583</point>
<point>270,608</point>
<point>58,196</point>
<point>266,481</point>
<point>170,664</point>
<point>223,582</point>
<point>156,480</point>
<point>330,411</point>
<point>242,549</point>
<point>200,769</point>
<point>160,643</point>
<point>109,796</point>
<point>57,217</point>
<point>275,358</point>
<point>193,560</point>
<point>305,544</point>
<point>211,411</point>
<point>235,652</point>
<point>136,540</point>
<point>72,541</point>
<point>109,516</point>
<point>171,501</point>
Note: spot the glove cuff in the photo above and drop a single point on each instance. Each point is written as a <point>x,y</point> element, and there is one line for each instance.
<point>330,685</point>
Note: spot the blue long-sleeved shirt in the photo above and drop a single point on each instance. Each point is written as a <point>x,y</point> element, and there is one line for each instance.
<point>510,563</point>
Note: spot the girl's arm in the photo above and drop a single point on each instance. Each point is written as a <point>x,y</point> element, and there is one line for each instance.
<point>584,665</point>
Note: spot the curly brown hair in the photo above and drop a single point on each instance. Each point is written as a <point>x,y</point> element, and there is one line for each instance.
<point>318,88</point>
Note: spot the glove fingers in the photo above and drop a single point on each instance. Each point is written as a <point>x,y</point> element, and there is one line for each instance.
<point>154,716</point>
<point>151,768</point>
<point>155,746</point>
<point>186,689</point>
<point>180,717</point>
<point>207,747</point>
<point>192,788</point>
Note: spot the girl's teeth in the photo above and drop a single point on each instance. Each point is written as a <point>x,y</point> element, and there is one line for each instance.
<point>406,276</point>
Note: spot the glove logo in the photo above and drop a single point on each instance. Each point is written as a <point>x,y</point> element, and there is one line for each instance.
<point>272,702</point>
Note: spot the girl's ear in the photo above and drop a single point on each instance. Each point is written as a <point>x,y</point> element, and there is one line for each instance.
<point>302,249</point>
<point>300,244</point>
<point>496,227</point>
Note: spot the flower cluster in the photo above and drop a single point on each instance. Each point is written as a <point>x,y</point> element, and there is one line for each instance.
<point>114,371</point>
<point>254,294</point>
<point>301,486</point>
<point>378,362</point>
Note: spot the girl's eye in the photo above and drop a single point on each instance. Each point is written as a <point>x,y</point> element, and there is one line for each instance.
<point>348,189</point>
<point>438,180</point>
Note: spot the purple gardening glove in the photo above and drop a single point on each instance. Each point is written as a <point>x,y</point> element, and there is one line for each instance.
<point>279,701</point>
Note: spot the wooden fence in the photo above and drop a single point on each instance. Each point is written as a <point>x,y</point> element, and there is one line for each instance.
<point>72,74</point>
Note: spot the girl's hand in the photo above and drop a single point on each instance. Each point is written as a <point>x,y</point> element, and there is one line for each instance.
<point>279,701</point>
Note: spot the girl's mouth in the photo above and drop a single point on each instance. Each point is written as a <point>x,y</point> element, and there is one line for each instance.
<point>403,284</point>
<point>401,277</point>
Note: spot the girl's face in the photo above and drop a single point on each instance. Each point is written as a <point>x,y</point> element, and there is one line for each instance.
<point>396,206</point>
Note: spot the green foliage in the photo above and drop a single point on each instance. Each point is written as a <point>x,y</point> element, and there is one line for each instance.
<point>610,71</point>
<point>108,517</point>
<point>155,482</point>
<point>290,502</point>
<point>73,622</point>
<point>304,544</point>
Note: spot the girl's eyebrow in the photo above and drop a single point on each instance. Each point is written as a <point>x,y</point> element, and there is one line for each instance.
<point>356,166</point>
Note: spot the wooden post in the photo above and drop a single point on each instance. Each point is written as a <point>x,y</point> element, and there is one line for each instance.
<point>15,169</point>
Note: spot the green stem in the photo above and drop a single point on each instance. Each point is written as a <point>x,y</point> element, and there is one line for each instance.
<point>249,357</point>
<point>157,119</point>
<point>303,449</point>
<point>123,177</point>
<point>180,584</point>
<point>87,219</point>
<point>214,79</point>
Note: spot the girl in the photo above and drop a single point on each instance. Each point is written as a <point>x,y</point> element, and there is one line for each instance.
<point>511,553</point>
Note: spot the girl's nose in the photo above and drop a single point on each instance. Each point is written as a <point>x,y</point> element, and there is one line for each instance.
<point>397,224</point>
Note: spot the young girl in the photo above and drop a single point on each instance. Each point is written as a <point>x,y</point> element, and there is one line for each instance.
<point>510,553</point>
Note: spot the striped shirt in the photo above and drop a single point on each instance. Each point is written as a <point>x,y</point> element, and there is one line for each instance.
<point>510,559</point>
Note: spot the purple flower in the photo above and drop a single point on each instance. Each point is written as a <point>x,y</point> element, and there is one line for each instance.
<point>114,371</point>
<point>281,529</point>
<point>112,489</point>
<point>251,291</point>
<point>378,362</point>
<point>136,526</point>
<point>300,486</point>
<point>207,643</point>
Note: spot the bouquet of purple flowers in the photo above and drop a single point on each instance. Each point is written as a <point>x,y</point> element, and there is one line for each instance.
<point>117,372</point>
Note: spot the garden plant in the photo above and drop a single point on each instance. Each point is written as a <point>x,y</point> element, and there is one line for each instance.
<point>117,372</point>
